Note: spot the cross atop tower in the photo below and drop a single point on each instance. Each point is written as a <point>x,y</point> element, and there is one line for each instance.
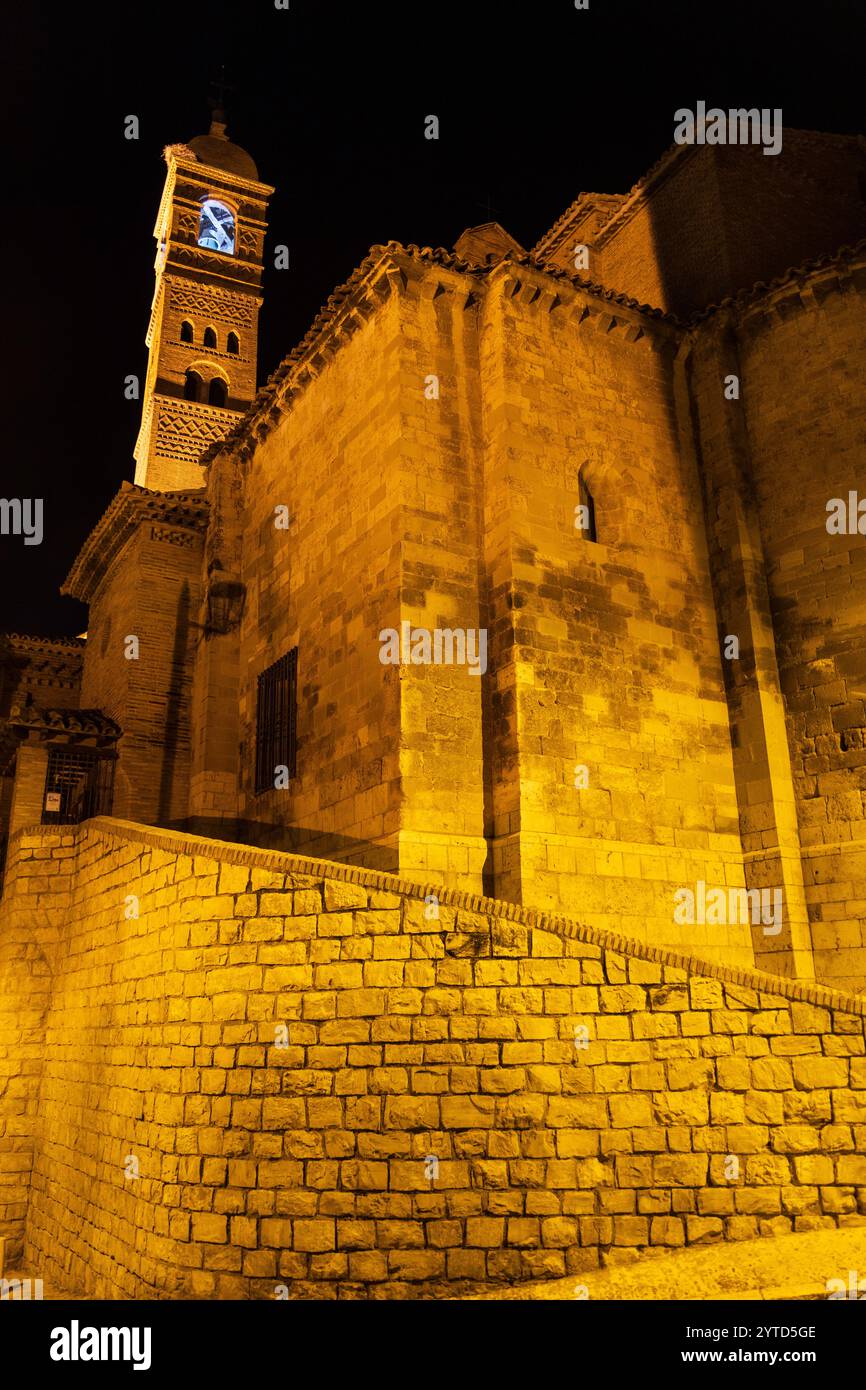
<point>219,85</point>
<point>490,209</point>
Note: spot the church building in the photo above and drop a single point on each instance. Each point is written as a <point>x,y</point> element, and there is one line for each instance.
<point>523,574</point>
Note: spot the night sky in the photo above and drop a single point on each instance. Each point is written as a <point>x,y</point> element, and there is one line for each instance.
<point>537,102</point>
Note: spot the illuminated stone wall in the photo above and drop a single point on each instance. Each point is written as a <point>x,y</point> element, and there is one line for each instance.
<point>327,583</point>
<point>613,783</point>
<point>802,362</point>
<point>286,1073</point>
<point>428,460</point>
<point>415,461</point>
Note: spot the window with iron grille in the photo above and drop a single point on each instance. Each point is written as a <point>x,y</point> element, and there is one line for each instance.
<point>276,721</point>
<point>79,783</point>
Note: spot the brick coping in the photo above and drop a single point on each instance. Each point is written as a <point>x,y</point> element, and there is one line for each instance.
<point>279,861</point>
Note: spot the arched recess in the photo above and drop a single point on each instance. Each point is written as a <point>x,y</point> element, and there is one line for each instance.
<point>187,333</point>
<point>193,386</point>
<point>210,337</point>
<point>627,502</point>
<point>597,487</point>
<point>218,391</point>
<point>585,520</point>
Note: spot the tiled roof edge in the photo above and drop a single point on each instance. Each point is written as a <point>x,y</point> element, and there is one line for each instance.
<point>348,293</point>
<point>130,505</point>
<point>763,288</point>
<point>592,287</point>
<point>666,158</point>
<point>340,300</point>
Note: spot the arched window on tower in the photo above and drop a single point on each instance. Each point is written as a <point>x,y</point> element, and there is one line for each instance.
<point>216,227</point>
<point>585,514</point>
<point>192,386</point>
<point>186,332</point>
<point>209,338</point>
<point>217,392</point>
<point>232,344</point>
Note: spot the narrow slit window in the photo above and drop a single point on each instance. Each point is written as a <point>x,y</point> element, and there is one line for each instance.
<point>586,515</point>
<point>276,723</point>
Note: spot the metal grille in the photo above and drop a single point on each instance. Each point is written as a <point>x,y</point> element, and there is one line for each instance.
<point>79,784</point>
<point>276,720</point>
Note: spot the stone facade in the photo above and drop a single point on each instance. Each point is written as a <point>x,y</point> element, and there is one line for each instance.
<point>225,1070</point>
<point>459,1034</point>
<point>419,460</point>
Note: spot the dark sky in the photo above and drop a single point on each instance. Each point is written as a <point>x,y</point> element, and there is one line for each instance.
<point>537,101</point>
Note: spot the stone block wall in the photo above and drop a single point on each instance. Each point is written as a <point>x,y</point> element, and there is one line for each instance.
<point>604,654</point>
<point>817,583</point>
<point>287,1074</point>
<point>441,446</point>
<point>328,584</point>
<point>33,913</point>
<point>443,587</point>
<point>453,506</point>
<point>802,345</point>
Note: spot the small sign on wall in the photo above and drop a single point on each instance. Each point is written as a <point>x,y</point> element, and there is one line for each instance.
<point>52,801</point>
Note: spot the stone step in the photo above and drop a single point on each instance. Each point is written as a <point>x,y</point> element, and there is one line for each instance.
<point>791,1267</point>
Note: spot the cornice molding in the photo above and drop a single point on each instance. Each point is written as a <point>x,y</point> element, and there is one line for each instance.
<point>182,158</point>
<point>130,507</point>
<point>835,270</point>
<point>22,641</point>
<point>390,268</point>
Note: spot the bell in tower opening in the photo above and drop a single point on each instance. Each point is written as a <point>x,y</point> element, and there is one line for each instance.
<point>216,227</point>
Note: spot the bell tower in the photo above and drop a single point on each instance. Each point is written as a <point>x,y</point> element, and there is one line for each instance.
<point>203,332</point>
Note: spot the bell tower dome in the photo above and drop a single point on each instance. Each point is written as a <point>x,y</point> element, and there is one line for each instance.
<point>203,333</point>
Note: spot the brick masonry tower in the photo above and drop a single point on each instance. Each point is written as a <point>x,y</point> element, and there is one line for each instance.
<point>203,327</point>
